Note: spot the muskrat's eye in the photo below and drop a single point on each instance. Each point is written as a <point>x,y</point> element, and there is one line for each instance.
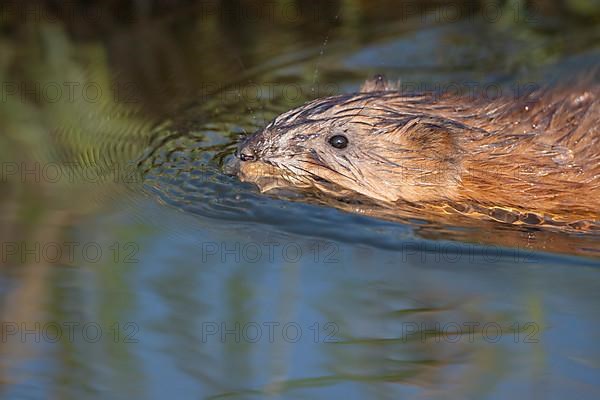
<point>338,141</point>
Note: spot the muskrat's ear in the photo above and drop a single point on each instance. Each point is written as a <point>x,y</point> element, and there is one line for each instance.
<point>430,138</point>
<point>378,84</point>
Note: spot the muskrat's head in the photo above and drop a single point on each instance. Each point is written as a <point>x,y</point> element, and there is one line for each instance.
<point>382,145</point>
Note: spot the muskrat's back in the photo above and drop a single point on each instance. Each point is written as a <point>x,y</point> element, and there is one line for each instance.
<point>538,155</point>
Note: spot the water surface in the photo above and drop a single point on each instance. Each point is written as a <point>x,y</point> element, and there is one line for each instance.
<point>132,265</point>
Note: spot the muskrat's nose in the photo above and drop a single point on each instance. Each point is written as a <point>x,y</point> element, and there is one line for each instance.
<point>245,153</point>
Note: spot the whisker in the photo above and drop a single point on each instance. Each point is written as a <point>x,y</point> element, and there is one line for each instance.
<point>326,167</point>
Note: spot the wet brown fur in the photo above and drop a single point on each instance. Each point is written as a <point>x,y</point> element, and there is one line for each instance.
<point>536,154</point>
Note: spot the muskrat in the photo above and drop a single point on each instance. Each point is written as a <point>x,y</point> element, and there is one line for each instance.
<point>533,159</point>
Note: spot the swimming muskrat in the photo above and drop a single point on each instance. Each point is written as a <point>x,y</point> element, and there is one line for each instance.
<point>530,160</point>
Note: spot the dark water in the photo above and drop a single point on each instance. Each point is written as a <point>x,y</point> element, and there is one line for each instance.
<point>133,266</point>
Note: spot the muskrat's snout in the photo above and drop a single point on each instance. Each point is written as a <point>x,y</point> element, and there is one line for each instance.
<point>245,150</point>
<point>245,154</point>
